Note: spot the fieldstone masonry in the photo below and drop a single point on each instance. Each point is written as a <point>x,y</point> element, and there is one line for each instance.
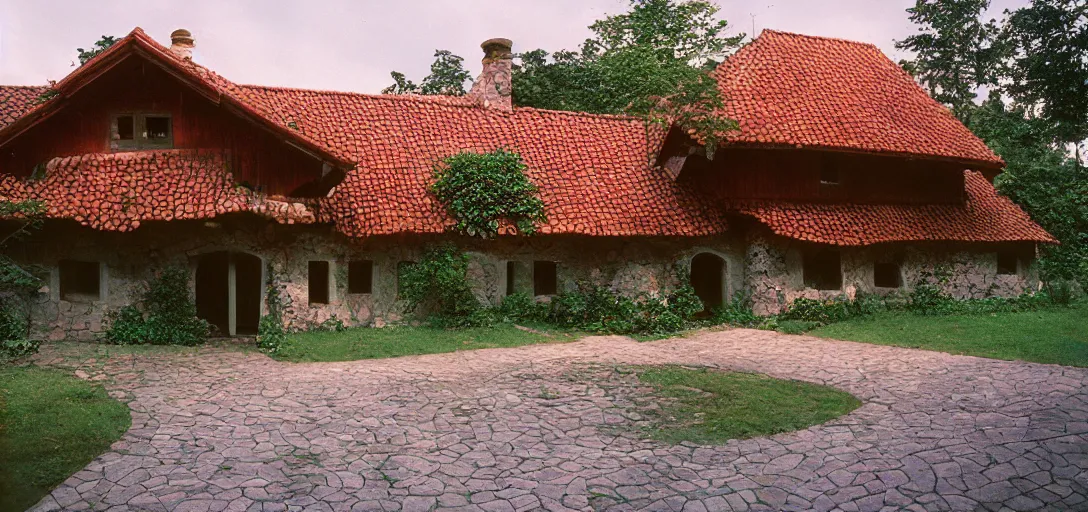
<point>768,268</point>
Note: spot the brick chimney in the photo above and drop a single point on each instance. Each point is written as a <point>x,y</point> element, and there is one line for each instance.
<point>181,44</point>
<point>494,88</point>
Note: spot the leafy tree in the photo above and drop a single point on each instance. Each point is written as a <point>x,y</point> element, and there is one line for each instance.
<point>1048,66</point>
<point>651,61</point>
<point>955,50</point>
<point>448,77</point>
<point>99,46</point>
<point>1042,179</point>
<point>18,283</point>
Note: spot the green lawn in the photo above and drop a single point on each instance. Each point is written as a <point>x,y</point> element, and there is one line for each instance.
<point>51,425</point>
<point>711,407</point>
<point>1057,336</point>
<point>371,343</point>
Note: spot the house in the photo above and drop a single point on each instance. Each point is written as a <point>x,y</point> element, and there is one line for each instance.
<point>844,177</point>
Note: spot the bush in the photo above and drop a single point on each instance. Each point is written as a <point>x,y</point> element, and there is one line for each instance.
<point>438,285</point>
<point>833,310</point>
<point>522,306</point>
<point>598,309</point>
<point>13,327</point>
<point>737,312</point>
<point>166,316</point>
<point>480,190</point>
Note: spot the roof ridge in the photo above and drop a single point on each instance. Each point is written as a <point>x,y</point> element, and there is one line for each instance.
<point>442,99</point>
<point>25,86</point>
<point>822,38</point>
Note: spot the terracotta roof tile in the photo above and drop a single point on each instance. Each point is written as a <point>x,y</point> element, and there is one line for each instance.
<point>118,191</point>
<point>592,170</point>
<point>985,216</point>
<point>792,89</point>
<point>16,100</point>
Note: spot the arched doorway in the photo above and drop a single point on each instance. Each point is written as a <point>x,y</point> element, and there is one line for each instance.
<point>228,292</point>
<point>708,279</point>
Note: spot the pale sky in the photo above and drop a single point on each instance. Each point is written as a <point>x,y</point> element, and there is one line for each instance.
<point>351,45</point>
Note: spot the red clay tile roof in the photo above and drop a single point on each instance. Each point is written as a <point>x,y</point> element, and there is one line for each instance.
<point>592,170</point>
<point>985,216</point>
<point>792,89</point>
<point>16,100</point>
<point>118,191</point>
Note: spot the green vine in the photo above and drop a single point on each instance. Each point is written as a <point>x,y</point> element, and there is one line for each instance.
<point>482,190</point>
<point>271,334</point>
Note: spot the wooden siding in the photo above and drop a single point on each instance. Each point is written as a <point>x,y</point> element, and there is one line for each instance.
<point>256,156</point>
<point>791,174</point>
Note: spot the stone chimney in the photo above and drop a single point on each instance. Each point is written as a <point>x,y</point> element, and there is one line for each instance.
<point>494,88</point>
<point>181,44</point>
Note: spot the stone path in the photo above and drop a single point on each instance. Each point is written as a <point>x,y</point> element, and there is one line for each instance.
<point>518,429</point>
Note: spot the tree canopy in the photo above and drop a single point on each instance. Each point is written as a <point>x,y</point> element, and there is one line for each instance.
<point>100,46</point>
<point>1035,64</point>
<point>448,77</point>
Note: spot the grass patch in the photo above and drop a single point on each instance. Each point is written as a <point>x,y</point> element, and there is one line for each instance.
<point>711,407</point>
<point>371,343</point>
<point>51,425</point>
<point>1054,336</point>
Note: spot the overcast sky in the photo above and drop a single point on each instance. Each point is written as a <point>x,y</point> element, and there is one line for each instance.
<point>351,45</point>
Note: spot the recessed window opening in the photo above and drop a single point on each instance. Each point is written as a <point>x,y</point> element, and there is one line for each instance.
<point>360,276</point>
<point>133,131</point>
<point>886,275</point>
<point>511,277</point>
<point>545,281</point>
<point>1007,263</point>
<point>822,269</point>
<point>319,282</point>
<point>79,279</point>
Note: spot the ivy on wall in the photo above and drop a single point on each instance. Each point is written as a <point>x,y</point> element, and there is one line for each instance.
<point>482,189</point>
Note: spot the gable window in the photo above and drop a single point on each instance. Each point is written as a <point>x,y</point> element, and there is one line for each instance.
<point>360,276</point>
<point>1007,263</point>
<point>137,130</point>
<point>318,284</point>
<point>822,269</point>
<point>545,281</point>
<point>886,275</point>
<point>80,280</point>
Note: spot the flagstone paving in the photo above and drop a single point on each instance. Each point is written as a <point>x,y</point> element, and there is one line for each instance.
<point>550,427</point>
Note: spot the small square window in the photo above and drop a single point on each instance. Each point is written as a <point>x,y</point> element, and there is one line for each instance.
<point>360,276</point>
<point>126,129</point>
<point>544,278</point>
<point>319,282</point>
<point>157,128</point>
<point>79,280</point>
<point>829,175</point>
<point>886,275</point>
<point>1007,263</point>
<point>822,269</point>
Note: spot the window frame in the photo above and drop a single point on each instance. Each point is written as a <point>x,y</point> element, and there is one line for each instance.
<point>64,290</point>
<point>369,280</point>
<point>1003,270</point>
<point>139,139</point>
<point>808,259</point>
<point>310,283</point>
<point>554,268</point>
<point>898,274</point>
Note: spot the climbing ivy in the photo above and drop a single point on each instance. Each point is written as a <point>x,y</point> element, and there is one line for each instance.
<point>271,334</point>
<point>481,189</point>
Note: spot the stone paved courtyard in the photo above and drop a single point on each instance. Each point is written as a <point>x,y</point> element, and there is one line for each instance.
<point>532,428</point>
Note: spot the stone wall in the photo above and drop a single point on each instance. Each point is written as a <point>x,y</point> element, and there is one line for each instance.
<point>774,270</point>
<point>129,260</point>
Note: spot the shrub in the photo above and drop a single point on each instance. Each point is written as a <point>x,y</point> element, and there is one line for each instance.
<point>480,190</point>
<point>522,306</point>
<point>166,316</point>
<point>596,308</point>
<point>438,285</point>
<point>737,312</point>
<point>13,330</point>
